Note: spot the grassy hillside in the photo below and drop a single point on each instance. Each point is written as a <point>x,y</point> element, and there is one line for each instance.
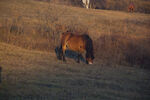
<point>142,6</point>
<point>34,75</point>
<point>119,37</point>
<point>29,33</point>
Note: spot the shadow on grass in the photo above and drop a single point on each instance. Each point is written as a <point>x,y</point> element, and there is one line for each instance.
<point>0,74</point>
<point>70,54</point>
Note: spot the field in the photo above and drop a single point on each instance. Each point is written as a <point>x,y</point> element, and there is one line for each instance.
<point>36,75</point>
<point>30,31</point>
<point>37,26</point>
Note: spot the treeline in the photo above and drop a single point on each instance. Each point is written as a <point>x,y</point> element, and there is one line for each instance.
<point>77,3</point>
<point>122,5</point>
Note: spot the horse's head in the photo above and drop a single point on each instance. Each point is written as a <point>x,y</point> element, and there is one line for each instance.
<point>89,50</point>
<point>89,58</point>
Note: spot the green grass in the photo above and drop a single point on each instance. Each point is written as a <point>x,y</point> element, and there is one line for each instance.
<point>34,74</point>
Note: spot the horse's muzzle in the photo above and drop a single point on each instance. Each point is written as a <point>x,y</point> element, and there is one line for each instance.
<point>90,63</point>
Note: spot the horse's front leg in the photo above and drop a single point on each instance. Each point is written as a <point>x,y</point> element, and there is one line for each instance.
<point>78,58</point>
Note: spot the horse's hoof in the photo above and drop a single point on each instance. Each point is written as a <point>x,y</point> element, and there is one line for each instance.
<point>59,58</point>
<point>78,61</point>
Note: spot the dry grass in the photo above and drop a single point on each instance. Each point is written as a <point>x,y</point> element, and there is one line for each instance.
<point>30,75</point>
<point>119,38</point>
<point>37,25</point>
<point>142,6</point>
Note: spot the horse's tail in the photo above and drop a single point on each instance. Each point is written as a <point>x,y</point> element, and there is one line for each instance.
<point>61,36</point>
<point>62,39</point>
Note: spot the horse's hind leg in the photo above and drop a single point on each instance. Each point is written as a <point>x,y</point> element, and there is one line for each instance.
<point>64,59</point>
<point>63,53</point>
<point>58,52</point>
<point>78,58</point>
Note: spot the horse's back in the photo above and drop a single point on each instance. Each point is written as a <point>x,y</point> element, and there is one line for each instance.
<point>77,43</point>
<point>73,42</point>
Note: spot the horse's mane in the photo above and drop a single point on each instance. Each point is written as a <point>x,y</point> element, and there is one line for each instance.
<point>89,45</point>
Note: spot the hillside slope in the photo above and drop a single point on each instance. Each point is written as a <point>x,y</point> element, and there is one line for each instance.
<point>119,38</point>
<point>30,75</point>
<point>122,5</point>
<point>37,25</point>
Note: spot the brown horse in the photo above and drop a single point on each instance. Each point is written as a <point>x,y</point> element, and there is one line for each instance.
<point>131,7</point>
<point>78,43</point>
